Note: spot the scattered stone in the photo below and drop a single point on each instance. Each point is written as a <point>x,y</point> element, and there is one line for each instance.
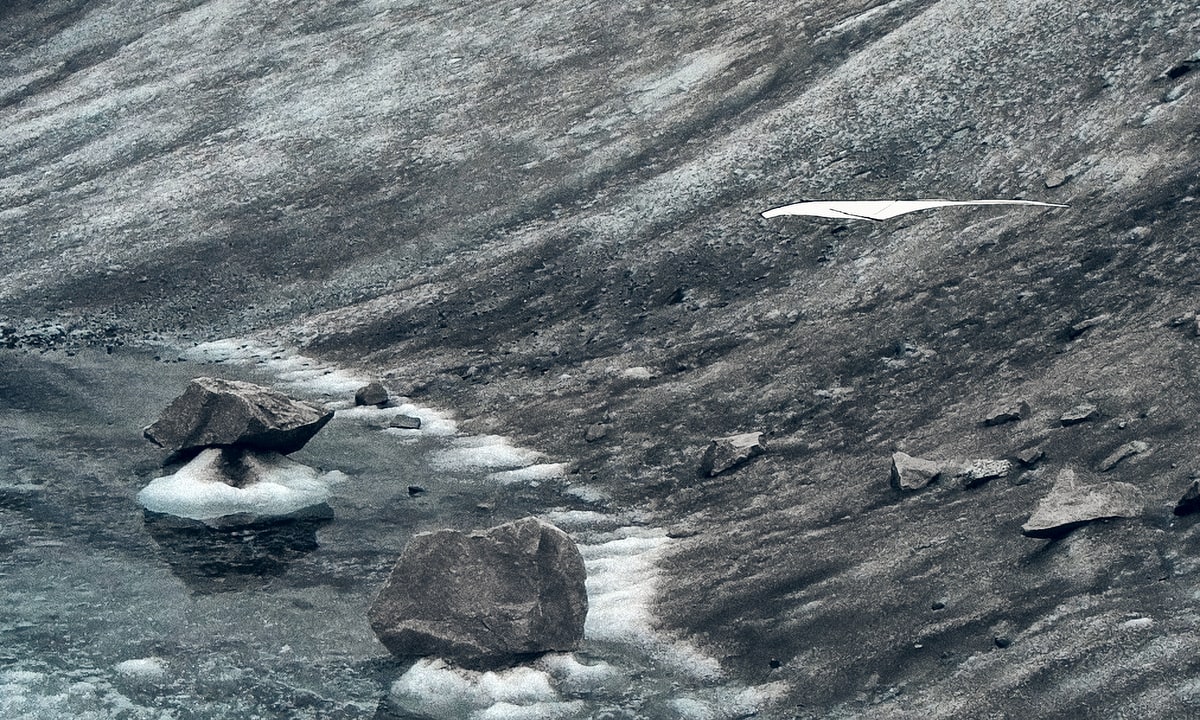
<point>1079,328</point>
<point>1002,641</point>
<point>1031,456</point>
<point>727,452</point>
<point>216,412</point>
<point>1190,502</point>
<point>1012,412</point>
<point>977,472</point>
<point>1070,505</point>
<point>910,473</point>
<point>775,663</point>
<point>1196,325</point>
<point>1054,178</point>
<point>371,394</point>
<point>1078,414</point>
<point>595,432</point>
<point>938,605</point>
<point>1128,450</point>
<point>485,599</point>
<point>414,490</point>
<point>405,422</point>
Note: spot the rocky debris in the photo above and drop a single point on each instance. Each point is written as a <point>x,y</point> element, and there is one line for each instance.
<point>597,431</point>
<point>1070,505</point>
<point>977,472</point>
<point>1190,502</point>
<point>1054,178</point>
<point>727,452</point>
<point>485,599</point>
<point>1078,414</point>
<point>910,473</point>
<point>1128,450</point>
<point>405,422</point>
<point>1030,456</point>
<point>1081,327</point>
<point>1011,412</point>
<point>371,394</point>
<point>217,412</point>
<point>415,490</point>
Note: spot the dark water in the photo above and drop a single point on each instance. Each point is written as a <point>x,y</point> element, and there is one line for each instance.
<point>110,611</point>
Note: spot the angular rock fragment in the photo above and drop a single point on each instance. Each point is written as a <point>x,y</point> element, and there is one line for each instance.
<point>1070,505</point>
<point>1030,456</point>
<point>910,473</point>
<point>1190,502</point>
<point>1078,414</point>
<point>727,452</point>
<point>215,412</point>
<point>371,394</point>
<point>597,431</point>
<point>1011,412</point>
<point>405,422</point>
<point>977,472</point>
<point>1128,450</point>
<point>485,599</point>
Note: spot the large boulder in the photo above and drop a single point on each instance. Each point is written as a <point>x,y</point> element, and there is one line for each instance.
<point>911,473</point>
<point>1071,504</point>
<point>216,412</point>
<point>485,599</point>
<point>728,452</point>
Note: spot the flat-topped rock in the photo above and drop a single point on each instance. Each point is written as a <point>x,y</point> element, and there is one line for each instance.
<point>728,452</point>
<point>484,599</point>
<point>1071,504</point>
<point>215,412</point>
<point>911,473</point>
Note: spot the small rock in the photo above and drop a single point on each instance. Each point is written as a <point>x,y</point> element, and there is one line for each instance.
<point>727,452</point>
<point>910,473</point>
<point>978,472</point>
<point>485,599</point>
<point>371,394</point>
<point>595,432</point>
<point>405,422</point>
<point>938,605</point>
<point>214,412</point>
<point>1128,450</point>
<point>1002,641</point>
<point>1190,502</point>
<point>1196,325</point>
<point>1078,414</point>
<point>1079,328</point>
<point>414,490</point>
<point>1070,505</point>
<point>1031,456</point>
<point>1054,178</point>
<point>1012,412</point>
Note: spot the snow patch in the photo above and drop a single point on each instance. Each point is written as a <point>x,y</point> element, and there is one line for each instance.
<point>196,490</point>
<point>150,668</point>
<point>433,689</point>
<point>484,451</point>
<point>532,474</point>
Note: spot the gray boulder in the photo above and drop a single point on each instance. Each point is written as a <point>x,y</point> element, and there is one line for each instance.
<point>371,394</point>
<point>727,452</point>
<point>977,472</point>
<point>405,422</point>
<point>1079,414</point>
<point>910,473</point>
<point>1011,412</point>
<point>485,599</point>
<point>1128,450</point>
<point>215,412</point>
<point>1070,505</point>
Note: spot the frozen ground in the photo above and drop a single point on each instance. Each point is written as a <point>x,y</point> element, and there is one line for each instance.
<point>112,615</point>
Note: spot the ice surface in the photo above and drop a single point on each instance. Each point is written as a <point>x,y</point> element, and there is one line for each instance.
<point>196,490</point>
<point>30,695</point>
<point>484,451</point>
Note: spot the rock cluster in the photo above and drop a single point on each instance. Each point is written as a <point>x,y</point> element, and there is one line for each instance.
<point>214,412</point>
<point>485,599</point>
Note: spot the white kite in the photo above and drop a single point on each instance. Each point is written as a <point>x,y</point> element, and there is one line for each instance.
<point>881,209</point>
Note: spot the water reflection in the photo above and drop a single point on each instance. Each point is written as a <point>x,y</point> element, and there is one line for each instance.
<point>235,552</point>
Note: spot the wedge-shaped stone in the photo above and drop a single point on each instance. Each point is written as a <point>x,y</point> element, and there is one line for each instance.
<point>216,412</point>
<point>1071,504</point>
<point>485,599</point>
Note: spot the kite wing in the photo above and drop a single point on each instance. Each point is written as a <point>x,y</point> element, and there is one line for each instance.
<point>882,209</point>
